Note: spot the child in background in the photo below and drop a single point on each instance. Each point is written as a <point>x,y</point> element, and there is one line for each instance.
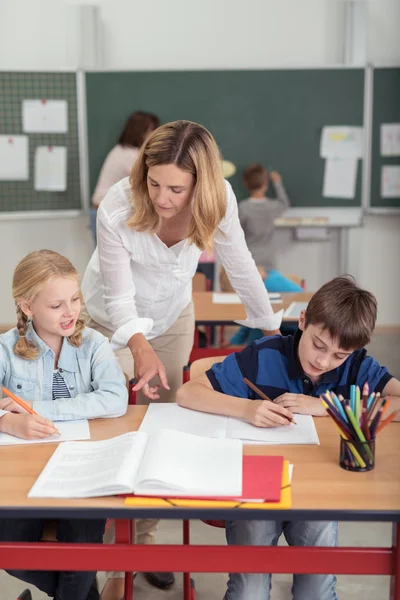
<point>64,371</point>
<point>326,353</point>
<point>120,159</point>
<point>257,215</point>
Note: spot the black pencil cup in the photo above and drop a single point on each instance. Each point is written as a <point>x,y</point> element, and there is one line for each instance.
<point>356,455</point>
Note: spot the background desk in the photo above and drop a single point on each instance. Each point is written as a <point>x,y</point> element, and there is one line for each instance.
<point>208,313</point>
<point>321,490</point>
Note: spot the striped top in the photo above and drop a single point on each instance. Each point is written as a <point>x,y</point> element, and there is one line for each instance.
<point>60,389</point>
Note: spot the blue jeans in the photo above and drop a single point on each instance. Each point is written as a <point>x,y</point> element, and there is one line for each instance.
<point>253,586</point>
<point>274,282</point>
<point>61,585</point>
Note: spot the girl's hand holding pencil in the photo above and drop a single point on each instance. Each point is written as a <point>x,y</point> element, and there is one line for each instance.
<point>22,421</point>
<point>27,426</point>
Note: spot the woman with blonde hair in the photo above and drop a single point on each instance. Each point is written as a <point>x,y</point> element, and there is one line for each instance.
<point>152,229</point>
<point>63,371</point>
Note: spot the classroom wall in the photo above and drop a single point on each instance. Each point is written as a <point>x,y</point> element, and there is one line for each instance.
<point>171,35</point>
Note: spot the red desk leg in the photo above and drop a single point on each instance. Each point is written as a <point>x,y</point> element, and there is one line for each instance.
<point>395,579</point>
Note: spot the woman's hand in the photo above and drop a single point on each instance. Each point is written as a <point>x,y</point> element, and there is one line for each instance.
<point>28,427</point>
<point>262,413</point>
<point>146,366</point>
<point>12,406</point>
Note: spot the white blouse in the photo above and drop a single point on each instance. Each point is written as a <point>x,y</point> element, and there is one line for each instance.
<point>134,283</point>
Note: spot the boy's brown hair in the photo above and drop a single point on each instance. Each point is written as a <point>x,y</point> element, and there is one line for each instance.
<point>255,177</point>
<point>345,310</point>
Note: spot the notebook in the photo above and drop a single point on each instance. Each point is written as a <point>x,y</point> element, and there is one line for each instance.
<point>164,463</point>
<point>171,416</point>
<point>69,430</point>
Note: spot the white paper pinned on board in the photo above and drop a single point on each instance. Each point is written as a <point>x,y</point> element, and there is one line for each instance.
<point>45,116</point>
<point>390,181</point>
<point>390,139</point>
<point>51,168</point>
<point>14,162</point>
<point>340,177</point>
<point>342,142</point>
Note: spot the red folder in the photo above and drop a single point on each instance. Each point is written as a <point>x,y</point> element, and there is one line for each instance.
<point>262,478</point>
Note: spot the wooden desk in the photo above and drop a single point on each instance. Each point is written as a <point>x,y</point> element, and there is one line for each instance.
<point>208,313</point>
<point>321,491</point>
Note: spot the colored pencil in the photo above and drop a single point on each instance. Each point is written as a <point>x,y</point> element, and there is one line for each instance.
<point>19,401</point>
<point>370,400</point>
<point>264,396</point>
<point>377,418</point>
<point>337,403</point>
<point>373,407</point>
<point>357,411</point>
<point>352,397</point>
<point>390,418</point>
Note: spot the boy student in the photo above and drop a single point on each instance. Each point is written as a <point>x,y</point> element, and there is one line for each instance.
<point>257,215</point>
<point>326,352</point>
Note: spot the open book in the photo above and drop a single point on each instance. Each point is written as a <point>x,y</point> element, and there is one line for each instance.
<point>164,463</point>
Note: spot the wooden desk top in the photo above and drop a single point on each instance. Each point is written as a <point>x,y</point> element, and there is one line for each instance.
<point>207,312</point>
<point>319,484</point>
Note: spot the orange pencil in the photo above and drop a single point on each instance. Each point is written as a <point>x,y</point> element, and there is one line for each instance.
<point>19,401</point>
<point>387,421</point>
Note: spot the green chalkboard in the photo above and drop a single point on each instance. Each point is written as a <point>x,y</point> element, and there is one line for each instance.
<point>15,87</point>
<point>274,117</point>
<point>386,109</point>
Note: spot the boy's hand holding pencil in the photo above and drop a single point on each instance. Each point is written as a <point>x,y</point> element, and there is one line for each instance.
<point>265,413</point>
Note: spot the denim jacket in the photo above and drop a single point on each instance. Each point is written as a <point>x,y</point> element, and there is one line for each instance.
<point>91,372</point>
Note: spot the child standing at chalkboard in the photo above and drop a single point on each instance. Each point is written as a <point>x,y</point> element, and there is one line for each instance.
<point>257,215</point>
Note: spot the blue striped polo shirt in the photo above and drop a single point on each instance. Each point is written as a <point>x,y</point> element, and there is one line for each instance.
<point>273,365</point>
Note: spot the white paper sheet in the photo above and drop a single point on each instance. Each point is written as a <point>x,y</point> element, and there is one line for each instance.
<point>341,142</point>
<point>45,116</point>
<point>390,181</point>
<point>390,139</point>
<point>14,163</point>
<point>171,416</point>
<point>51,168</point>
<point>303,432</point>
<point>227,298</point>
<point>294,309</point>
<point>340,177</point>
<point>70,430</point>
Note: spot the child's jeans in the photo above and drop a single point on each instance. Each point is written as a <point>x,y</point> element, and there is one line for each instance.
<point>275,282</point>
<point>254,586</point>
<point>64,585</point>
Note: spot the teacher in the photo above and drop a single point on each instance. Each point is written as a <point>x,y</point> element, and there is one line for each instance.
<point>151,231</point>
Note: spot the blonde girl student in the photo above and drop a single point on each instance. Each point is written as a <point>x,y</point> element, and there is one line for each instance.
<point>64,371</point>
<point>151,231</point>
